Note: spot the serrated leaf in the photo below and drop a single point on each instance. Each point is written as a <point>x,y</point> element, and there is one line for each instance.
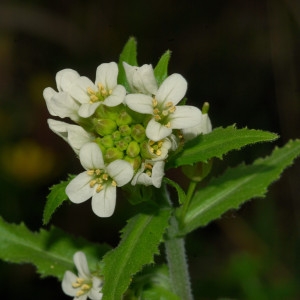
<point>129,55</point>
<point>238,185</point>
<point>50,251</point>
<point>140,240</point>
<point>217,143</point>
<point>180,192</point>
<point>55,199</point>
<point>161,69</point>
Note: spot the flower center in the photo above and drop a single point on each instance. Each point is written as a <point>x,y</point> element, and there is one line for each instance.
<point>161,112</point>
<point>84,286</point>
<point>155,147</point>
<point>98,95</point>
<point>99,179</point>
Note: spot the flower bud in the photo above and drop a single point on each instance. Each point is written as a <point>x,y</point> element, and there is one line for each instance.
<point>198,171</point>
<point>106,112</point>
<point>104,126</point>
<point>135,162</point>
<point>124,118</point>
<point>121,144</point>
<point>145,153</point>
<point>138,133</point>
<point>112,154</point>
<point>98,142</point>
<point>125,130</point>
<point>116,135</point>
<point>133,149</point>
<point>107,141</point>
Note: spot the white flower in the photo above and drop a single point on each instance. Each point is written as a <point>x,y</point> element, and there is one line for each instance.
<point>99,181</point>
<point>75,135</point>
<point>203,128</point>
<point>85,285</point>
<point>165,114</point>
<point>105,90</point>
<point>60,103</point>
<point>159,150</point>
<point>141,79</point>
<point>150,173</point>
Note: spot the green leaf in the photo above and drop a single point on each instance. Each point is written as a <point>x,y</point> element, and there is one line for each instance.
<point>50,251</point>
<point>55,198</point>
<point>217,143</point>
<point>154,283</point>
<point>140,240</point>
<point>129,55</point>
<point>161,69</point>
<point>238,185</point>
<point>180,191</point>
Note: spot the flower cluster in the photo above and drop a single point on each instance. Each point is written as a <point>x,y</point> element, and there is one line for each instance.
<point>120,135</point>
<point>85,285</point>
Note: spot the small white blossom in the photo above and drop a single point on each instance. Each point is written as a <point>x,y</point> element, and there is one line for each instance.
<point>141,79</point>
<point>150,173</point>
<point>165,114</point>
<point>99,181</point>
<point>74,135</point>
<point>105,90</point>
<point>61,104</point>
<point>85,285</point>
<point>203,128</point>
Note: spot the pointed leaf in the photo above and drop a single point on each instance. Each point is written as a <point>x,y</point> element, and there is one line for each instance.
<point>161,69</point>
<point>50,251</point>
<point>140,240</point>
<point>129,55</point>
<point>180,191</point>
<point>55,198</point>
<point>217,143</point>
<point>238,185</point>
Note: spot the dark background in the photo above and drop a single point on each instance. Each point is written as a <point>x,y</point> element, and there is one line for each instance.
<point>241,56</point>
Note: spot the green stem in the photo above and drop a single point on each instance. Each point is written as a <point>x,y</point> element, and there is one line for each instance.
<point>190,193</point>
<point>177,260</point>
<point>177,263</point>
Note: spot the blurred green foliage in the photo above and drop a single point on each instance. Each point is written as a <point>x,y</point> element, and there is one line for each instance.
<point>240,56</point>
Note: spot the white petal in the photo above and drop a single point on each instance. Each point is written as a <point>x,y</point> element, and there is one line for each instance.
<point>139,103</point>
<point>78,90</point>
<point>48,93</point>
<point>66,284</point>
<point>172,89</point>
<point>65,78</point>
<point>91,156</point>
<point>158,173</point>
<point>156,131</point>
<point>81,265</point>
<point>185,116</point>
<point>75,135</point>
<point>79,190</point>
<point>104,202</point>
<point>121,171</point>
<point>117,96</point>
<point>87,109</point>
<point>107,75</point>
<point>203,127</point>
<point>95,293</point>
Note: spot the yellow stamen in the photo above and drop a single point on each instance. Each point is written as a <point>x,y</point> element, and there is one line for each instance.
<point>80,293</point>
<point>168,125</point>
<point>99,188</point>
<point>158,152</point>
<point>149,173</point>
<point>98,171</point>
<point>154,102</point>
<point>105,176</point>
<point>93,182</point>
<point>90,172</point>
<point>86,287</point>
<point>169,104</point>
<point>165,112</point>
<point>113,183</point>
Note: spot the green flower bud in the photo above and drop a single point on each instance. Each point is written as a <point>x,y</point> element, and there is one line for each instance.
<point>133,149</point>
<point>135,162</point>
<point>106,112</point>
<point>112,154</point>
<point>125,130</point>
<point>121,145</point>
<point>104,126</point>
<point>107,141</point>
<point>102,148</point>
<point>124,118</point>
<point>116,135</point>
<point>145,153</point>
<point>138,133</point>
<point>127,138</point>
<point>198,171</point>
